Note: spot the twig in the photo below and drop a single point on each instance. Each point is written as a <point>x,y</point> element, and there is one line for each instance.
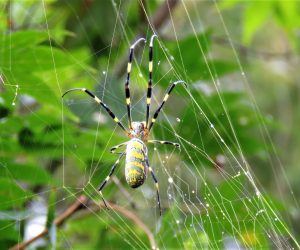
<point>163,13</point>
<point>82,203</point>
<point>77,205</point>
<point>9,21</point>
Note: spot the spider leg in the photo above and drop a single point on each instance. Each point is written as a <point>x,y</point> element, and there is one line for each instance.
<point>156,185</point>
<point>177,145</point>
<point>114,148</point>
<point>97,100</point>
<point>127,90</point>
<point>171,87</point>
<point>108,177</point>
<point>149,90</point>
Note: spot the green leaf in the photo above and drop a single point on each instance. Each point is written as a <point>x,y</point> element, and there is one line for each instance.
<point>255,15</point>
<point>24,172</point>
<point>11,194</point>
<point>34,67</point>
<point>8,231</point>
<point>17,41</point>
<point>191,59</point>
<point>228,4</point>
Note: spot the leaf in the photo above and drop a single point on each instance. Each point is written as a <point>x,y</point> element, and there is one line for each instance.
<point>192,59</point>
<point>27,63</point>
<point>11,195</point>
<point>228,4</point>
<point>255,15</point>
<point>287,16</point>
<point>25,172</point>
<point>22,39</point>
<point>39,58</point>
<point>222,67</point>
<point>8,231</point>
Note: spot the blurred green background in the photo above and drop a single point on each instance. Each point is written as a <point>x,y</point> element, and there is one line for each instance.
<point>235,181</point>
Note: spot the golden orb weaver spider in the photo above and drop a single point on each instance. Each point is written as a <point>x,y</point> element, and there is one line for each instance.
<point>136,163</point>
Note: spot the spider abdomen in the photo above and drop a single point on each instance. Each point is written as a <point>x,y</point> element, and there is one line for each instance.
<point>135,164</point>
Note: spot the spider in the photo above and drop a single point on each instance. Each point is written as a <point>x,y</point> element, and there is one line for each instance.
<point>136,163</point>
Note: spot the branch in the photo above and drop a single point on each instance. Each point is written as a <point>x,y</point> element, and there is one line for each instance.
<point>82,203</point>
<point>163,13</point>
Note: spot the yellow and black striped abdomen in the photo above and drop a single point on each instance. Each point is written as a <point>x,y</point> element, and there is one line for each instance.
<point>135,166</point>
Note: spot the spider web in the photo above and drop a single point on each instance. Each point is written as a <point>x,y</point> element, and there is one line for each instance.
<point>203,207</point>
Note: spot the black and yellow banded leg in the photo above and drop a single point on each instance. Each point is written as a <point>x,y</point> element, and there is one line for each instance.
<point>156,185</point>
<point>108,177</point>
<point>171,87</point>
<point>177,145</point>
<point>127,90</point>
<point>149,90</point>
<point>157,189</point>
<point>97,100</point>
<point>114,148</point>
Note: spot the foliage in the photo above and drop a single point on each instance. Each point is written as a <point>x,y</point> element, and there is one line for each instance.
<point>48,142</point>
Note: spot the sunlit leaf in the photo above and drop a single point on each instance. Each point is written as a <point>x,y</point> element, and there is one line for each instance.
<point>254,16</point>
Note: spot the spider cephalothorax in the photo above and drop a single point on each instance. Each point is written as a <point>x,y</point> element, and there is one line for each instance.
<point>139,131</point>
<point>137,164</point>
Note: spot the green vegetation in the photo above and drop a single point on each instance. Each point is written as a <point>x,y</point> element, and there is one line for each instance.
<point>234,181</point>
